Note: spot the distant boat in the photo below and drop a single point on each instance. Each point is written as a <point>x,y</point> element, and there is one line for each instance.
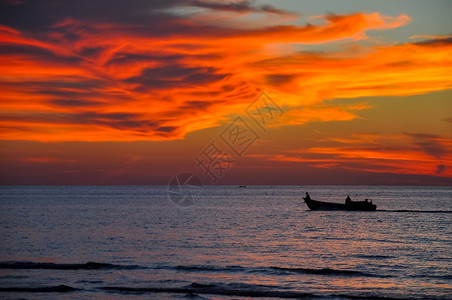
<point>242,186</point>
<point>349,205</point>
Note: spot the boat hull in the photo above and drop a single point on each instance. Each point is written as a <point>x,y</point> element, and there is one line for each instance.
<point>353,205</point>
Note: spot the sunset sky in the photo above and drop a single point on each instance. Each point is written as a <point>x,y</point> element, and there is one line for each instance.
<point>237,92</point>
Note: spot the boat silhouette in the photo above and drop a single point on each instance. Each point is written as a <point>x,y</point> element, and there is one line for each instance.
<point>365,205</point>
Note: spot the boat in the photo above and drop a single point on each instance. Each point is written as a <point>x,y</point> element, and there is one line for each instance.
<point>365,205</point>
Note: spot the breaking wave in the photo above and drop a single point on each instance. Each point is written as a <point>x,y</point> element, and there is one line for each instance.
<point>26,265</point>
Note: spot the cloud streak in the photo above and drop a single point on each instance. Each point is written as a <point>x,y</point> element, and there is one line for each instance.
<point>415,153</point>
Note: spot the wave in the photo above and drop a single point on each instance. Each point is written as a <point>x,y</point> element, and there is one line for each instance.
<point>443,277</point>
<point>417,211</point>
<point>227,269</point>
<point>324,271</point>
<point>237,290</point>
<point>233,289</point>
<point>42,289</point>
<point>272,270</point>
<point>372,256</point>
<point>194,289</point>
<point>26,265</point>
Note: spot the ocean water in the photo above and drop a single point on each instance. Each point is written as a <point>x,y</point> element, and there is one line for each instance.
<point>112,242</point>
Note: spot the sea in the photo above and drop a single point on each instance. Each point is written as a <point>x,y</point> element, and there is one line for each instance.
<point>228,242</point>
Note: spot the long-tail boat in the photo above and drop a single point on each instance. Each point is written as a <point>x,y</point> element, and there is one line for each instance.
<point>365,205</point>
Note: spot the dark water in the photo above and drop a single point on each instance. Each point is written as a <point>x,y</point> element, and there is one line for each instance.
<point>133,242</point>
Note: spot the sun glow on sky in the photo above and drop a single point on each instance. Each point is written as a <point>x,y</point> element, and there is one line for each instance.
<point>117,92</point>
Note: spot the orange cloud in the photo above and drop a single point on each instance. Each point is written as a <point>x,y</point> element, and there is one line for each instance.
<point>92,81</point>
<point>321,113</point>
<point>404,154</point>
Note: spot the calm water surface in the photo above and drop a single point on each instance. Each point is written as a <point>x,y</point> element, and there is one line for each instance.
<point>109,242</point>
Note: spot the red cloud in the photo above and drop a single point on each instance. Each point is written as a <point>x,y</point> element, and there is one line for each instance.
<point>378,153</point>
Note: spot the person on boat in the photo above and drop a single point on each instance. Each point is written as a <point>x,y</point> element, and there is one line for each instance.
<point>348,200</point>
<point>307,196</point>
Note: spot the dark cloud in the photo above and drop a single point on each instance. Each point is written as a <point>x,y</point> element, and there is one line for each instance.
<point>167,129</point>
<point>74,91</point>
<point>61,93</point>
<point>440,168</point>
<point>435,42</point>
<point>244,6</point>
<point>122,121</point>
<point>174,76</point>
<point>150,18</point>
<point>277,79</point>
<point>196,106</point>
<point>126,58</point>
<point>72,83</point>
<point>37,53</point>
<point>37,15</point>
<point>91,51</point>
<point>74,102</point>
<point>429,144</point>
